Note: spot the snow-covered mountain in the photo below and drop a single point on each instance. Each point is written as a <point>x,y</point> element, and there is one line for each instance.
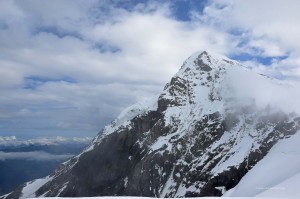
<point>212,131</point>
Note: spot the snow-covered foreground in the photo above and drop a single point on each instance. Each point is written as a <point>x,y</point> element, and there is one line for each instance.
<point>129,197</point>
<point>276,175</point>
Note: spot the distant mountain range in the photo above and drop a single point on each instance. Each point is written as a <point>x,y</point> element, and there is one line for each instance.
<point>216,129</point>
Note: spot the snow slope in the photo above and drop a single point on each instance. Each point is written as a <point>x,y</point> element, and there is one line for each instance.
<point>276,175</point>
<point>130,197</point>
<point>30,187</point>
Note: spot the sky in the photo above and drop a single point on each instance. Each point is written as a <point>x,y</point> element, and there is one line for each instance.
<point>68,67</point>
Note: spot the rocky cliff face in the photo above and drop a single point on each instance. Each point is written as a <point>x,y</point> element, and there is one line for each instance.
<point>199,138</point>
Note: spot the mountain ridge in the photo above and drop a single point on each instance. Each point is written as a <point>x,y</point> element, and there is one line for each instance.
<point>199,138</point>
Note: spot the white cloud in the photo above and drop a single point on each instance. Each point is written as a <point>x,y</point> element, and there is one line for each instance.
<point>153,46</point>
<point>8,141</point>
<point>266,47</point>
<point>7,138</point>
<point>280,95</point>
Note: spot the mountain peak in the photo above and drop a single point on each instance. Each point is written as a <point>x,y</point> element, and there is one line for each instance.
<point>206,61</point>
<point>201,80</point>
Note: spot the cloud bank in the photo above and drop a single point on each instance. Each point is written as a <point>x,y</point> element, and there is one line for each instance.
<point>9,141</point>
<point>33,156</point>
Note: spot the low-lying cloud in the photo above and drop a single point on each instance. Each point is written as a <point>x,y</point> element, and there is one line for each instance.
<point>33,156</point>
<point>265,91</point>
<point>7,138</point>
<point>7,141</point>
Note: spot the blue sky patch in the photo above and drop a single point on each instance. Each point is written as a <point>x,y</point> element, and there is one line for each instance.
<point>182,8</point>
<point>33,82</point>
<point>263,60</point>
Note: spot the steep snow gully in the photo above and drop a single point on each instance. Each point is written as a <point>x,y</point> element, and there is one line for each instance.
<point>215,130</point>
